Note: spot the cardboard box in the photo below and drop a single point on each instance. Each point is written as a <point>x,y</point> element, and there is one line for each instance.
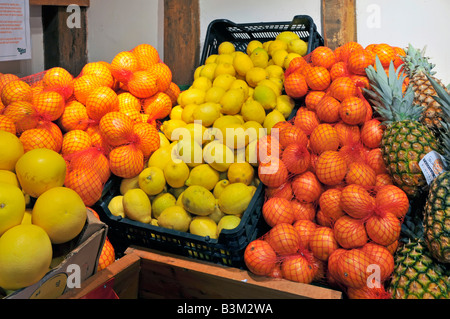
<point>80,264</point>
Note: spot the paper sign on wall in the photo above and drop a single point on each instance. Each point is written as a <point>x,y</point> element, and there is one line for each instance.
<point>15,38</point>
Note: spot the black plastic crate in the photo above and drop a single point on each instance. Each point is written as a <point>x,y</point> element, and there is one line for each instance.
<point>228,249</point>
<point>241,34</point>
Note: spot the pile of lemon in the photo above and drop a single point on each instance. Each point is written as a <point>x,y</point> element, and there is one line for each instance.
<point>202,178</point>
<point>37,213</point>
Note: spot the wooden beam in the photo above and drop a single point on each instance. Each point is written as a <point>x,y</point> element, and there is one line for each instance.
<point>64,46</point>
<point>81,3</point>
<point>182,39</point>
<point>338,22</point>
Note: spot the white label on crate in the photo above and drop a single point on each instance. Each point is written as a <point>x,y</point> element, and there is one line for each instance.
<point>432,165</point>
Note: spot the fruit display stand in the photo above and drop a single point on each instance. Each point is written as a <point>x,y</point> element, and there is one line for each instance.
<point>77,265</point>
<point>143,273</point>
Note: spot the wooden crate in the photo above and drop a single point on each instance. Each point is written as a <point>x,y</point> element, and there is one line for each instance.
<point>147,274</point>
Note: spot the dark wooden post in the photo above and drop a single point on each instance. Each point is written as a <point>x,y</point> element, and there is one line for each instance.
<point>338,22</point>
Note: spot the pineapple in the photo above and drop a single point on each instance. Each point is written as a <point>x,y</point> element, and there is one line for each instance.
<point>417,68</point>
<point>437,207</point>
<point>405,139</point>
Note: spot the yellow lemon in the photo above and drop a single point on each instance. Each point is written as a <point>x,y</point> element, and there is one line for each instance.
<point>287,36</point>
<point>224,81</point>
<point>251,152</point>
<point>228,222</point>
<point>218,155</point>
<point>241,84</point>
<point>186,114</point>
<point>224,68</point>
<point>298,46</point>
<point>180,199</point>
<point>214,94</point>
<point>289,57</point>
<point>189,152</point>
<point>241,173</point>
<point>176,173</point>
<point>224,58</point>
<point>225,120</point>
<point>226,47</point>
<point>26,220</point>
<point>12,206</point>
<point>9,177</point>
<point>206,113</point>
<point>235,198</point>
<point>198,200</point>
<point>255,75</point>
<point>279,56</point>
<point>266,45</point>
<point>275,71</point>
<point>208,70</point>
<point>115,206</point>
<point>176,218</point>
<point>61,212</point>
<point>285,104</point>
<point>211,59</point>
<point>137,206</point>
<point>160,157</point>
<point>175,113</point>
<point>216,215</point>
<point>252,110</point>
<point>11,149</point>
<point>276,87</point>
<point>202,83</point>
<point>191,96</point>
<point>169,126</point>
<point>128,183</point>
<point>266,96</point>
<point>219,187</point>
<point>39,170</point>
<point>152,180</point>
<point>161,202</point>
<point>235,136</point>
<point>242,63</point>
<point>254,130</point>
<point>163,140</point>
<point>271,119</point>
<point>276,45</point>
<point>196,75</point>
<point>259,57</point>
<point>203,175</point>
<point>25,256</point>
<point>253,44</point>
<point>203,226</point>
<point>176,192</point>
<point>232,101</point>
<point>196,132</point>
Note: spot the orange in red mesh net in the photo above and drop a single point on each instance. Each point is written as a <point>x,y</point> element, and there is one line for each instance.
<point>301,210</point>
<point>330,204</point>
<point>343,87</point>
<point>322,242</point>
<point>343,52</point>
<point>59,80</point>
<point>323,56</point>
<point>15,91</point>
<point>296,64</point>
<point>116,128</point>
<point>126,161</point>
<point>295,85</point>
<point>351,268</point>
<point>383,179</point>
<point>123,65</point>
<point>392,199</point>
<point>277,210</point>
<point>353,110</point>
<point>22,114</point>
<point>350,232</point>
<point>129,101</point>
<point>290,134</point>
<point>318,78</point>
<point>49,105</point>
<point>324,138</point>
<point>83,86</point>
<point>383,228</point>
<point>380,256</point>
<point>307,120</point>
<point>331,168</point>
<point>348,134</point>
<point>107,256</point>
<point>97,139</point>
<point>374,159</point>
<point>163,75</point>
<point>146,55</point>
<point>102,71</point>
<point>360,173</point>
<point>305,228</point>
<point>283,238</point>
<point>90,157</point>
<point>366,292</point>
<point>327,109</point>
<point>6,78</point>
<point>312,98</point>
<point>273,173</point>
<point>173,91</point>
<point>86,182</point>
<point>75,141</point>
<point>306,187</point>
<point>6,124</point>
<point>372,133</point>
<point>260,258</point>
<point>296,158</point>
<point>101,101</point>
<point>337,70</point>
<point>298,268</point>
<point>147,138</point>
<point>359,60</point>
<point>55,131</point>
<point>385,53</point>
<point>38,138</point>
<point>356,201</point>
<point>399,53</point>
<point>143,84</point>
<point>283,191</point>
<point>74,117</point>
<point>157,106</point>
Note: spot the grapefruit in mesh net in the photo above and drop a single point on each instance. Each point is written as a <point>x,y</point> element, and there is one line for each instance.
<point>6,124</point>
<point>126,161</point>
<point>356,201</point>
<point>306,187</point>
<point>147,138</point>
<point>100,101</point>
<point>75,141</point>
<point>283,238</point>
<point>38,138</point>
<point>123,65</point>
<point>146,55</point>
<point>143,84</point>
<point>83,86</point>
<point>101,71</point>
<point>259,257</point>
<point>15,91</point>
<point>350,232</point>
<point>157,106</point>
<point>49,105</point>
<point>323,243</point>
<point>59,80</point>
<point>277,210</point>
<point>74,117</point>
<point>86,182</point>
<point>116,128</point>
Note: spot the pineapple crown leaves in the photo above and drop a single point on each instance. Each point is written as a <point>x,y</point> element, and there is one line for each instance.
<point>416,61</point>
<point>387,94</point>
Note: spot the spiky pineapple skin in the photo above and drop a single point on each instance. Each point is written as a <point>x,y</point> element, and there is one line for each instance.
<point>437,218</point>
<point>416,275</point>
<point>403,145</point>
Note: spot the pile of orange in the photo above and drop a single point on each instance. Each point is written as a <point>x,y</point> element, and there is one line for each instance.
<point>103,121</point>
